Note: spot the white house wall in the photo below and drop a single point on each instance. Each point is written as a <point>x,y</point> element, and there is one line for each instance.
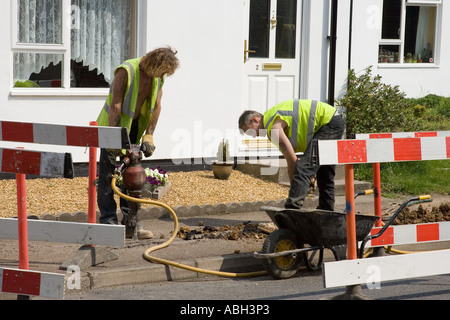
<point>316,48</point>
<point>415,80</point>
<point>202,100</point>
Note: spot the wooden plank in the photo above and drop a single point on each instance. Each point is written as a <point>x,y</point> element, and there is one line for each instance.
<point>258,144</point>
<point>385,268</point>
<point>32,283</point>
<point>66,232</point>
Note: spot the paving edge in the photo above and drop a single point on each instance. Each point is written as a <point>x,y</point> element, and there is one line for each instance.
<point>234,263</point>
<point>156,212</point>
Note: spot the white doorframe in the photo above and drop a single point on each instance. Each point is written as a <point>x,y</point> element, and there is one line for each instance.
<point>304,44</point>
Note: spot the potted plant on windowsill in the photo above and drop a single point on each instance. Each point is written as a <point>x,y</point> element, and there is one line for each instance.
<point>223,167</point>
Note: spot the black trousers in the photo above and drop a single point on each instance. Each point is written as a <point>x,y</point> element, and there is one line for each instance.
<point>105,194</point>
<point>303,172</point>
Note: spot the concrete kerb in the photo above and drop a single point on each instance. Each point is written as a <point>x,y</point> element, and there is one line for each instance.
<point>156,212</point>
<point>244,262</point>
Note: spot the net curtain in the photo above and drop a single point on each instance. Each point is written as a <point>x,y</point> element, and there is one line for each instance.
<point>100,34</point>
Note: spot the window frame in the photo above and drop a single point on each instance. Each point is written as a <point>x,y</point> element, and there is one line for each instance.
<point>64,49</point>
<point>401,41</point>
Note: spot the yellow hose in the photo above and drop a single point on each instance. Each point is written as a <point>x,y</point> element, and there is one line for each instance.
<point>147,252</point>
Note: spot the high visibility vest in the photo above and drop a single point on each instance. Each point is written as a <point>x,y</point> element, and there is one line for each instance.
<point>303,117</point>
<point>130,100</point>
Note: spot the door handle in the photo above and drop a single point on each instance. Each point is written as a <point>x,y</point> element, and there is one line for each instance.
<point>273,21</point>
<point>247,51</point>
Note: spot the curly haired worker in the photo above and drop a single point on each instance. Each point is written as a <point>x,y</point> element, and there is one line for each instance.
<point>134,102</point>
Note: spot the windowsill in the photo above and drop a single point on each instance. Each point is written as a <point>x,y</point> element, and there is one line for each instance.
<point>59,92</point>
<point>408,66</point>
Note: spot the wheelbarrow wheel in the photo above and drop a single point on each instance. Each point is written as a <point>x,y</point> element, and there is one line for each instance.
<point>282,267</point>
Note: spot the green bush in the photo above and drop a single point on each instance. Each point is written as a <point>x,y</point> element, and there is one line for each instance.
<point>373,106</point>
<point>441,105</point>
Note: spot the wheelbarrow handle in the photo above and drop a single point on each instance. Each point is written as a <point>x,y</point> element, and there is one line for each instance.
<point>363,193</point>
<point>394,216</point>
<point>422,199</point>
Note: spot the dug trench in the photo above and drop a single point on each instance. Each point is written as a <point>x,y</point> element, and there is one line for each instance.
<point>241,230</point>
<point>249,230</point>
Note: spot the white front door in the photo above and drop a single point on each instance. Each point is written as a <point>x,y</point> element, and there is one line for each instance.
<point>271,52</point>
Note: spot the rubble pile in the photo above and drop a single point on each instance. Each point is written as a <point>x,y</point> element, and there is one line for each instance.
<point>424,215</point>
<point>246,230</point>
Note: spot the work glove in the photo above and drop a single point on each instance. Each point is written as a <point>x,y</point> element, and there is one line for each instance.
<point>115,152</point>
<point>147,145</point>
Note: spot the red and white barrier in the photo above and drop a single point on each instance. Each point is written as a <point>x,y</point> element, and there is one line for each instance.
<point>411,233</point>
<point>22,162</point>
<point>376,165</point>
<point>46,164</point>
<point>386,268</point>
<point>79,136</point>
<point>377,149</point>
<point>66,232</point>
<point>32,283</point>
<point>383,150</point>
<point>362,136</point>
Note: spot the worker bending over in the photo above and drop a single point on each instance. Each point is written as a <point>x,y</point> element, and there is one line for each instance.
<point>292,125</point>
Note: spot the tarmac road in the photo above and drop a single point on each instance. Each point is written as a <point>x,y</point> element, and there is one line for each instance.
<point>305,286</point>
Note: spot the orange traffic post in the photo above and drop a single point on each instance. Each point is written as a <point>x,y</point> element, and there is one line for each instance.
<point>350,212</point>
<point>377,192</point>
<point>22,221</point>
<point>92,201</point>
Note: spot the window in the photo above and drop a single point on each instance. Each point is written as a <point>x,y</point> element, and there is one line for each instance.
<point>71,43</point>
<point>409,31</point>
<point>262,24</point>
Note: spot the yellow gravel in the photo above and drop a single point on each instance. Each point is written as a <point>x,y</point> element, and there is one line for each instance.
<point>187,188</point>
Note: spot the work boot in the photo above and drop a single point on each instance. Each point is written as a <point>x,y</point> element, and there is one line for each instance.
<point>144,234</point>
<point>141,234</point>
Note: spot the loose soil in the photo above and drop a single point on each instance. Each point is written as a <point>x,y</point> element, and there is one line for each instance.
<point>424,215</point>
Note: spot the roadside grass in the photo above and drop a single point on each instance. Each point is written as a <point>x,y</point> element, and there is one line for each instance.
<point>412,178</point>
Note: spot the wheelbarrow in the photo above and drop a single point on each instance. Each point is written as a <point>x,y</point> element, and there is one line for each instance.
<point>284,251</point>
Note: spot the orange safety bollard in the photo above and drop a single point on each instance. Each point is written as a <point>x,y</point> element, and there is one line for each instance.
<point>350,212</point>
<point>22,221</point>
<point>92,201</point>
<point>377,192</point>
